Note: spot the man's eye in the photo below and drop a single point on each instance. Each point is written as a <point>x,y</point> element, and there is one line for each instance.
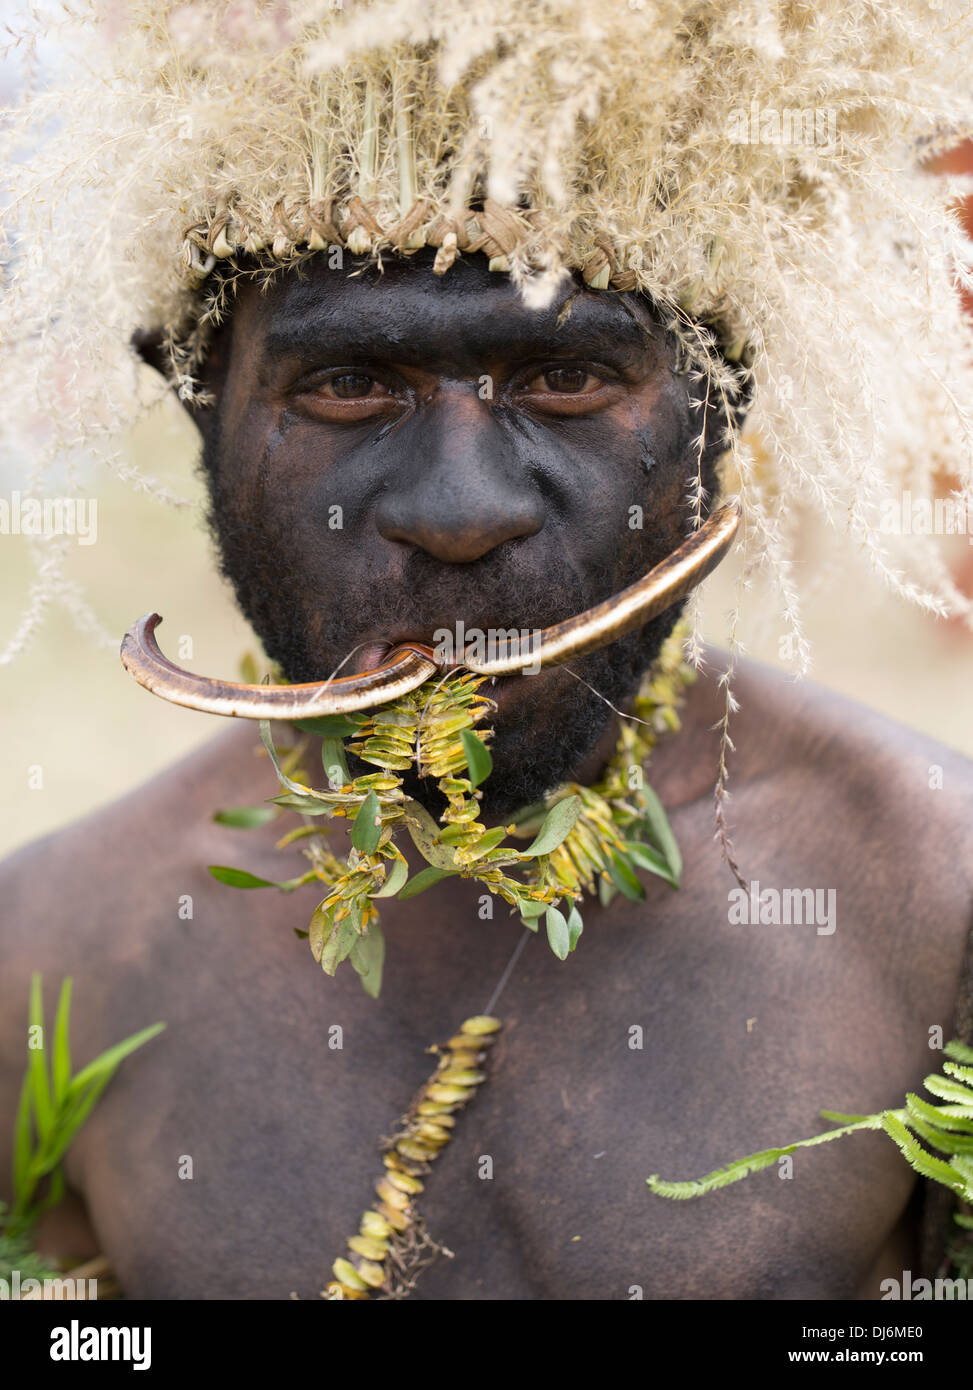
<point>351,386</point>
<point>566,381</point>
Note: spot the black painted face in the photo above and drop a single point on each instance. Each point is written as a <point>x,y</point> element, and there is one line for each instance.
<point>394,451</point>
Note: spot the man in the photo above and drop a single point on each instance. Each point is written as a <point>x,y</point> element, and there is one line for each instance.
<point>485,453</point>
<point>496,510</point>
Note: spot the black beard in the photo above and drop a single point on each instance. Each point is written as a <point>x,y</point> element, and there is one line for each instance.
<point>537,748</point>
<point>543,748</point>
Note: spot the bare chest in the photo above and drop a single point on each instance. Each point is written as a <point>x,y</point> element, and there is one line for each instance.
<point>243,1155</point>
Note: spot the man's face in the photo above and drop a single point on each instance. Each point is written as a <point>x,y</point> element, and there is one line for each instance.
<point>394,452</point>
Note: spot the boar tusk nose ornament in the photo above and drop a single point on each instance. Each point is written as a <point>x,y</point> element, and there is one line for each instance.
<point>406,669</point>
<point>670,580</point>
<point>410,664</point>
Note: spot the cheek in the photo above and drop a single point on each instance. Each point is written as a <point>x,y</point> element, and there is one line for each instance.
<point>622,478</point>
<point>282,480</point>
<point>662,427</point>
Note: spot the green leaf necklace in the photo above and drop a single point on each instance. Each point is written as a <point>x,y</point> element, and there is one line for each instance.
<point>586,839</point>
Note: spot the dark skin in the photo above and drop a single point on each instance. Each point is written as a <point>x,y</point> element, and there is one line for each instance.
<point>282,1129</point>
<point>481,461</point>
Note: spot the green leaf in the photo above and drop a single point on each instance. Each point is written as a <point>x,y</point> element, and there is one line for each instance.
<point>624,879</point>
<point>529,907</point>
<point>319,927</point>
<point>106,1063</point>
<point>478,759</point>
<point>949,1090</point>
<point>648,858</point>
<point>922,1162</point>
<point>945,1142</point>
<point>239,878</point>
<point>606,891</point>
<point>35,1158</point>
<point>329,725</point>
<point>73,1116</point>
<point>394,880</point>
<point>367,829</point>
<point>575,926</point>
<point>423,880</point>
<point>960,1073</point>
<point>285,781</point>
<point>558,936</point>
<point>288,885</point>
<point>937,1115</point>
<point>333,761</point>
<point>721,1177</point>
<point>488,841</point>
<point>37,1069</point>
<point>367,956</point>
<point>307,805</point>
<point>245,817</point>
<point>743,1167</point>
<point>657,829</point>
<point>425,837</point>
<point>963,1166</point>
<point>339,945</point>
<point>959,1051</point>
<point>558,824</point>
<point>54,1195</point>
<point>61,1066</point>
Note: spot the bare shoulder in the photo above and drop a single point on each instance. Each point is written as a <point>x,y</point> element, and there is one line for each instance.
<point>102,864</point>
<point>890,807</point>
<point>84,900</point>
<point>891,774</point>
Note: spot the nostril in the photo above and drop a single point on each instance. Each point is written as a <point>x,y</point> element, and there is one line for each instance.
<point>455,538</point>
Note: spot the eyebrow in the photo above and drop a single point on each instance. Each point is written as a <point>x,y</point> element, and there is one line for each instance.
<point>591,327</point>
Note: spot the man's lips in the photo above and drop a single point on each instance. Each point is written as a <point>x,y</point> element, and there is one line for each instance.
<point>503,690</point>
<point>372,654</point>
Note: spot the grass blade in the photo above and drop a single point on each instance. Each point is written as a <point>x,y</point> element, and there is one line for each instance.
<point>110,1058</point>
<point>37,1067</point>
<point>61,1068</point>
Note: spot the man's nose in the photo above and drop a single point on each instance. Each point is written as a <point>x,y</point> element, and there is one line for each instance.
<point>464,488</point>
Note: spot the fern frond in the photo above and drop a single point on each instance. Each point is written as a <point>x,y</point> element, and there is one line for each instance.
<point>924,1163</point>
<point>948,1128</point>
<point>743,1167</point>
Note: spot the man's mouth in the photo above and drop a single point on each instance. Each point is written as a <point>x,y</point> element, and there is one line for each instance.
<point>360,684</point>
<point>504,690</point>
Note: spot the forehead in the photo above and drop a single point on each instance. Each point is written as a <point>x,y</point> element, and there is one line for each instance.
<point>400,305</point>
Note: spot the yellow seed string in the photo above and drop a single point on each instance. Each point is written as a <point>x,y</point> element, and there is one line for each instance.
<point>392,1246</point>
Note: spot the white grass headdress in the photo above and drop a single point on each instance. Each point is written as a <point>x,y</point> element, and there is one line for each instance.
<point>755,165</point>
